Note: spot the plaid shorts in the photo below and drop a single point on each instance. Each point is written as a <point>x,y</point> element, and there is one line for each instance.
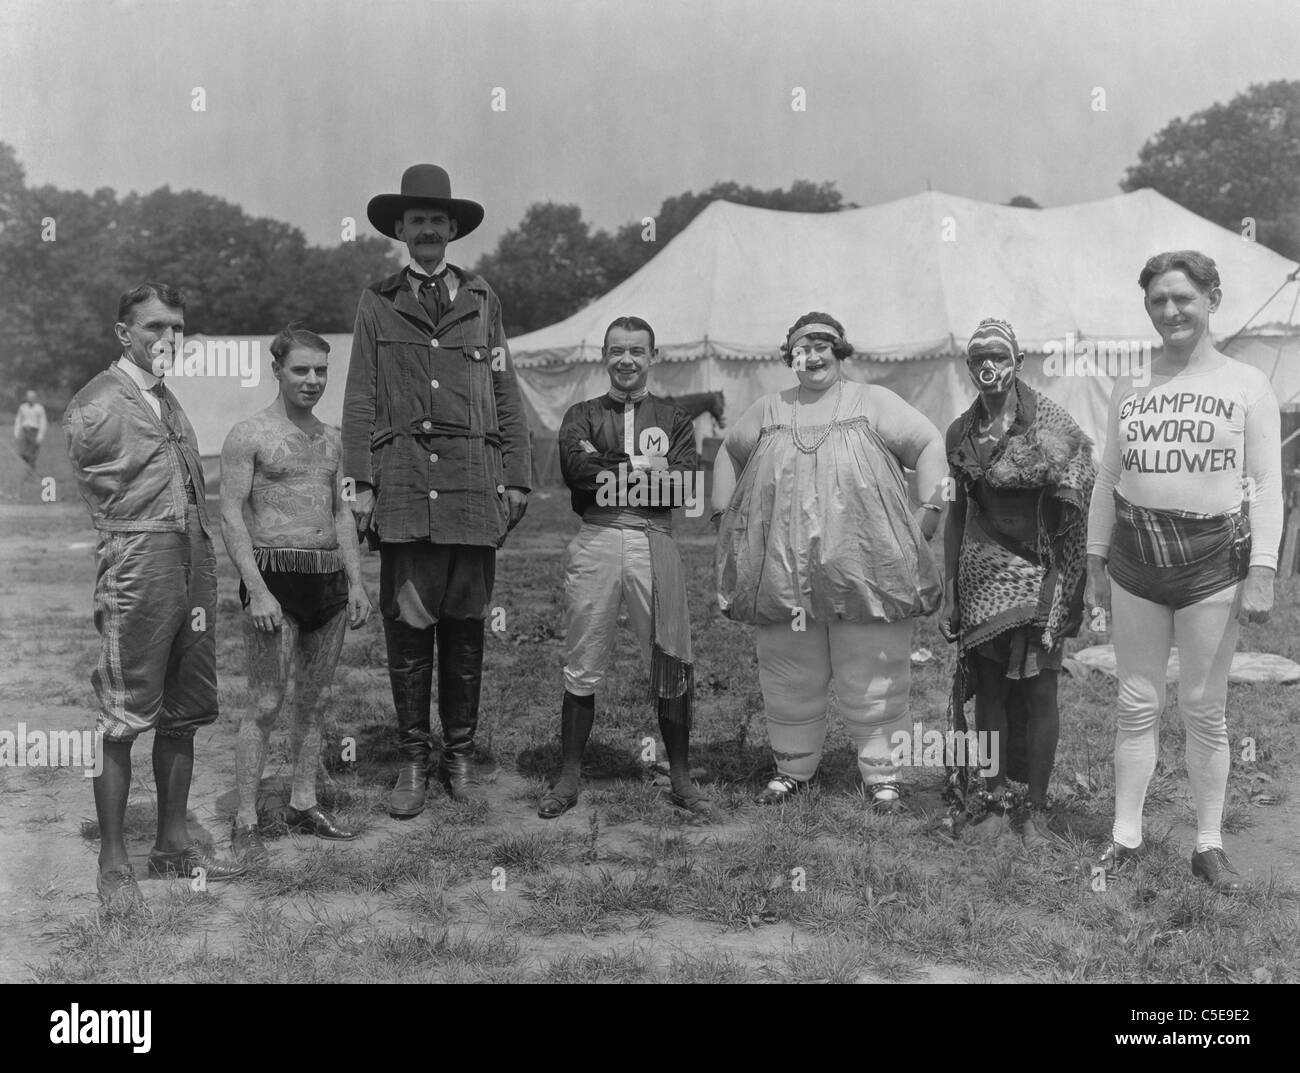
<point>156,612</point>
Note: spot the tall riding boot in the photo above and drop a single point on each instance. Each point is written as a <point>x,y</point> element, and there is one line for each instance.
<point>577,714</point>
<point>410,670</point>
<point>460,678</point>
<point>675,726</point>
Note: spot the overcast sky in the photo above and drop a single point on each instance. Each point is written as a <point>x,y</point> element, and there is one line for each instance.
<point>313,106</point>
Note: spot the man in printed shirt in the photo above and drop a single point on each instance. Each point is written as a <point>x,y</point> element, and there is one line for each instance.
<point>436,445</point>
<point>628,459</point>
<point>137,466</point>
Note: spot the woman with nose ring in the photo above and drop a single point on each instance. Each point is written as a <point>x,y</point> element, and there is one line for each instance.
<point>1014,559</point>
<point>1182,547</point>
<point>818,550</point>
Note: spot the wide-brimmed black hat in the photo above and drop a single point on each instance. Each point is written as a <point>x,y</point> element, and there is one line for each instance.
<point>423,184</point>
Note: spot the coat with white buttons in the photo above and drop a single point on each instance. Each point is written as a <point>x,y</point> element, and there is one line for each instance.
<point>432,416</point>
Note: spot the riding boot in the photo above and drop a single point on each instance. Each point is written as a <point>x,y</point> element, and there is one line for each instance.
<point>410,670</point>
<point>675,726</point>
<point>460,678</point>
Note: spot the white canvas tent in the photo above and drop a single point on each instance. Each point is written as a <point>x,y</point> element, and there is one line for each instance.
<point>909,279</point>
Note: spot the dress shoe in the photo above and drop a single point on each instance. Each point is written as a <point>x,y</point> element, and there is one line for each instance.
<point>555,803</point>
<point>1213,866</point>
<point>247,845</point>
<point>781,788</point>
<point>118,889</point>
<point>698,805</point>
<point>407,797</point>
<point>1119,859</point>
<point>886,797</point>
<point>317,821</point>
<point>186,862</point>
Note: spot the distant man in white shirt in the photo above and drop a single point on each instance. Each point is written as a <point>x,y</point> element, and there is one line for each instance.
<point>29,429</point>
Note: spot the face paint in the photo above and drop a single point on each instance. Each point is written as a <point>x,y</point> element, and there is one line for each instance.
<point>992,374</point>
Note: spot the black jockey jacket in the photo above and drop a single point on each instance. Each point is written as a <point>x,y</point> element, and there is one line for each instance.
<point>660,428</point>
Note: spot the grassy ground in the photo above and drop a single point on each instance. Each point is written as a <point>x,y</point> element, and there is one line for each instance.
<point>622,888</point>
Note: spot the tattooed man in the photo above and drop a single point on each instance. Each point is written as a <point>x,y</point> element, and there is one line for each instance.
<point>288,529</point>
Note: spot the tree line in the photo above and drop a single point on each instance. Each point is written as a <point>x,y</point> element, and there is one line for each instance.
<point>248,275</point>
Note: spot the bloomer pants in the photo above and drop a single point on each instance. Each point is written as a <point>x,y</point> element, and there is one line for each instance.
<point>605,569</point>
<point>156,612</point>
<point>868,669</point>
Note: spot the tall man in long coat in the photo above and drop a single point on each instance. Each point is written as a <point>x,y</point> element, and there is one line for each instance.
<point>434,438</point>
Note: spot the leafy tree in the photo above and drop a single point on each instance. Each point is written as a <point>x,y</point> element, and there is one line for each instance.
<point>1232,161</point>
<point>553,264</point>
<point>547,268</point>
<point>242,275</point>
<point>1021,201</point>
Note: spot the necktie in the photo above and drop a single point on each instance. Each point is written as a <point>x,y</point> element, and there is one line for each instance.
<point>168,416</point>
<point>434,295</point>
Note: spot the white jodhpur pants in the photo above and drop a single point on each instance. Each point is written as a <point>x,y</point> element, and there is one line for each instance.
<point>605,569</point>
<point>867,667</point>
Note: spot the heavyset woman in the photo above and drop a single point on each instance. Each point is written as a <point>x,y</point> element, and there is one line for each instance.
<point>1182,546</point>
<point>818,550</point>
<point>1014,560</point>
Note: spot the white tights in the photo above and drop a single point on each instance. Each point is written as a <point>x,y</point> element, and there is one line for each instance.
<point>1206,635</point>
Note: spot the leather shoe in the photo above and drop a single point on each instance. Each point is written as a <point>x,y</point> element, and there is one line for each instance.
<point>411,788</point>
<point>317,821</point>
<point>554,804</point>
<point>1213,866</point>
<point>118,889</point>
<point>698,805</point>
<point>188,861</point>
<point>886,797</point>
<point>781,788</point>
<point>1119,859</point>
<point>247,845</point>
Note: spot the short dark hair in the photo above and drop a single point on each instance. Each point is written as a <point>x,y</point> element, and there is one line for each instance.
<point>1197,267</point>
<point>136,296</point>
<point>840,347</point>
<point>288,338</point>
<point>629,324</point>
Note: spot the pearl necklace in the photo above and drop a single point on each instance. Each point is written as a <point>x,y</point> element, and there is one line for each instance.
<point>794,421</point>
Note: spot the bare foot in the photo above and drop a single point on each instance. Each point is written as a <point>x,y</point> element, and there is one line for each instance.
<point>994,827</point>
<point>1037,835</point>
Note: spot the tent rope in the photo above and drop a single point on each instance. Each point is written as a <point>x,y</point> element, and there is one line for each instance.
<point>1292,278</point>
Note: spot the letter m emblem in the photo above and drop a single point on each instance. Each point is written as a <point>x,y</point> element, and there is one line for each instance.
<point>654,441</point>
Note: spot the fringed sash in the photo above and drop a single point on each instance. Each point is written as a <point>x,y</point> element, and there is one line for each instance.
<point>299,560</point>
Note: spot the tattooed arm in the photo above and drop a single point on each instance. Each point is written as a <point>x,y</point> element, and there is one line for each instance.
<point>237,457</point>
<point>359,606</point>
